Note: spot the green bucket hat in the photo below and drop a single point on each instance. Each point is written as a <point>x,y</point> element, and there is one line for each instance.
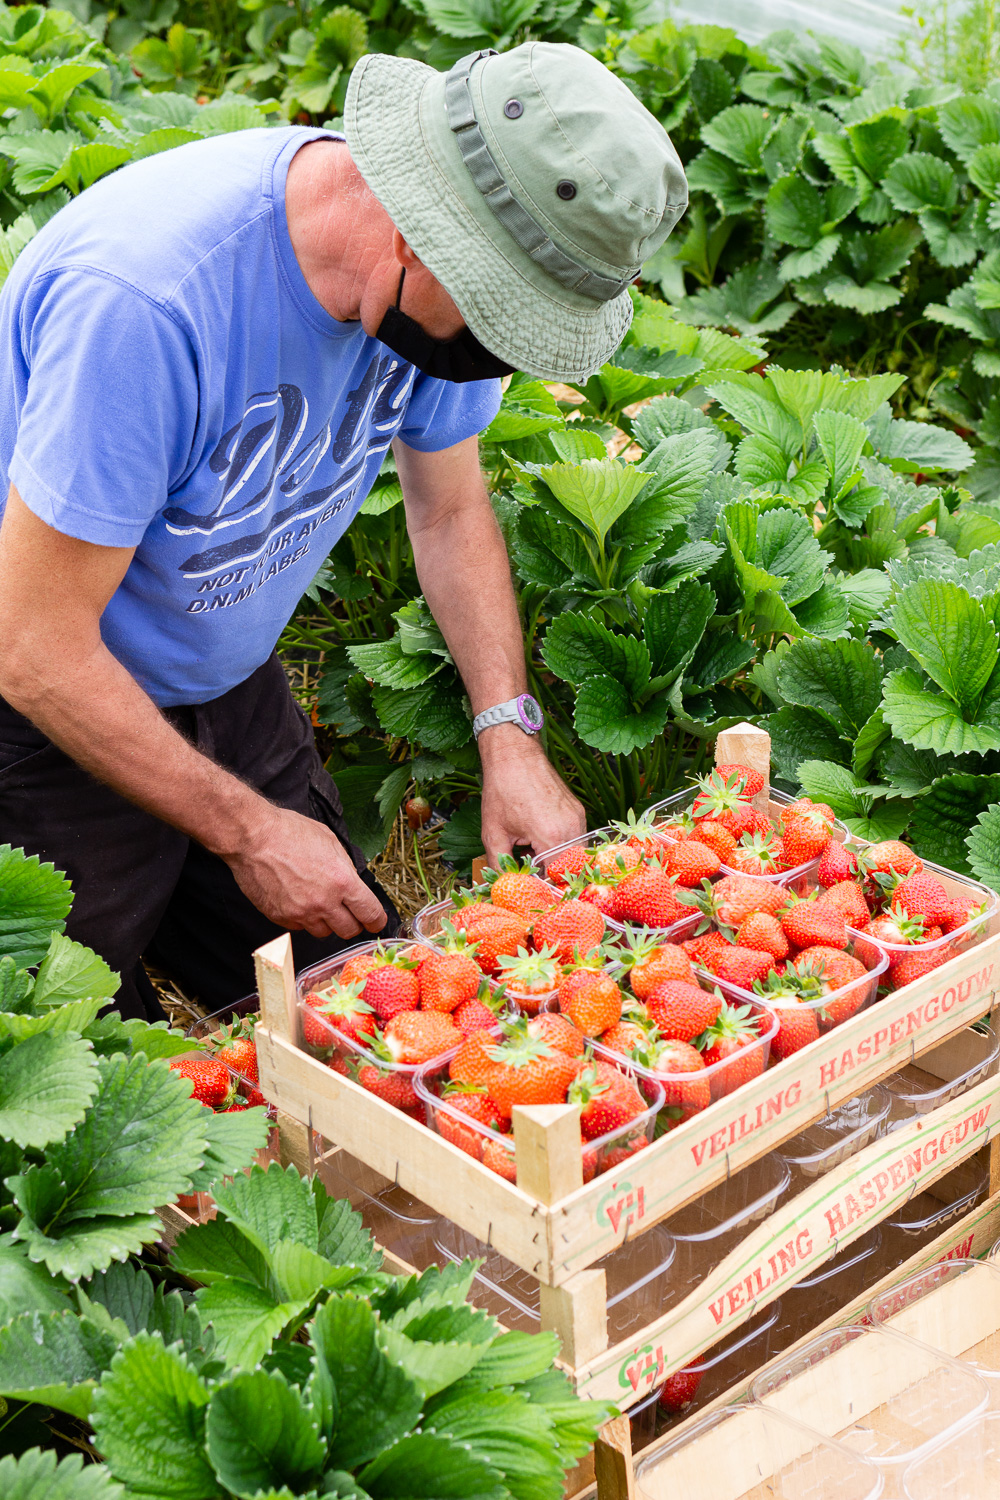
<point>532,184</point>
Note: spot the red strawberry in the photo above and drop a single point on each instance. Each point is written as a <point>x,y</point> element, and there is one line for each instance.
<point>806,807</point>
<point>721,798</point>
<point>681,1011</point>
<point>648,898</point>
<point>789,997</point>
<point>732,899</point>
<point>730,1039</point>
<point>691,862</point>
<point>964,913</point>
<point>418,812</point>
<point>593,1004</point>
<point>237,1049</point>
<point>804,839</point>
<point>614,1157</point>
<point>604,1104</point>
<point>718,838</point>
<point>649,962</point>
<point>599,892</point>
<point>528,1071</point>
<point>625,1037</point>
<point>616,859</point>
<point>357,969</point>
<point>837,863</point>
<point>680,1388</point>
<point>415,1036</point>
<point>255,1097</point>
<point>764,932</point>
<point>705,949</point>
<point>571,929</point>
<point>918,962</point>
<point>680,1068</point>
<point>888,858</point>
<point>447,980</point>
<point>808,922</point>
<point>923,895</point>
<point>336,1008</point>
<point>393,1088</point>
<point>499,1157</point>
<point>529,978</point>
<point>751,781</point>
<point>561,868</point>
<point>517,887</point>
<point>390,988</point>
<point>760,854</point>
<point>474,1015</point>
<point>558,1032</point>
<point>495,934</point>
<point>846,897</point>
<point>211,1083</point>
<point>471,1063</point>
<point>738,965</point>
<point>895,927</point>
<point>479,1107</point>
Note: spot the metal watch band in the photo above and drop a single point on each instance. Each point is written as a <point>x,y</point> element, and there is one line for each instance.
<point>515,218</point>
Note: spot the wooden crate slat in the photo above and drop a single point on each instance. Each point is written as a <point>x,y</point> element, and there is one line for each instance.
<point>805,1231</point>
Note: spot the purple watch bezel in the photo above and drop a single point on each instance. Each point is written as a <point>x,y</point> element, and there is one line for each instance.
<point>530,726</point>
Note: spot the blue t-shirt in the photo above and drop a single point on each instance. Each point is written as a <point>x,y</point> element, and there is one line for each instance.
<point>170,383</point>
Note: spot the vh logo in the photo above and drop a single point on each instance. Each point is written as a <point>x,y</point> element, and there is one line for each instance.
<point>622,1206</point>
<point>644,1368</point>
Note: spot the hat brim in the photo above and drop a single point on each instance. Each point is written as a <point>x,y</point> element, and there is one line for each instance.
<point>399,139</point>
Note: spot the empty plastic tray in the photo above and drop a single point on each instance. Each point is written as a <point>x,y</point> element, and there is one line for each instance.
<point>399,1222</point>
<point>845,1130</point>
<point>967,1467</point>
<point>885,1396</point>
<point>941,1075</point>
<point>748,1453</point>
<point>839,1281</point>
<point>714,1224</point>
<point>954,1306</point>
<point>928,1214</point>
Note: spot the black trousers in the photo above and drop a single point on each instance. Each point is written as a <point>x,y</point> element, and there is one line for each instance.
<point>141,888</point>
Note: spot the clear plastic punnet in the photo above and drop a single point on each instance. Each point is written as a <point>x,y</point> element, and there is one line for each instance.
<point>953,1306</point>
<point>751,1453</point>
<point>638,1275</point>
<point>674,932</point>
<point>840,1280</point>
<point>939,950</point>
<point>799,879</point>
<point>716,1223</point>
<point>926,1215</point>
<point>967,1467</point>
<point>940,1076</point>
<point>835,1138</point>
<point>206,1027</point>
<point>730,1362</point>
<point>879,1393</point>
<point>399,1222</point>
<point>602,1154</point>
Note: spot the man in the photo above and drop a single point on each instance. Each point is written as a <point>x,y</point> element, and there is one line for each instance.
<point>206,357</point>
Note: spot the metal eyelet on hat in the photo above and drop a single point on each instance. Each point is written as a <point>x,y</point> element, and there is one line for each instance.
<point>566,189</point>
<point>513,109</point>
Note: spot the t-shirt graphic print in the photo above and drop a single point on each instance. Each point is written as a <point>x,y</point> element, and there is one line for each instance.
<point>173,386</point>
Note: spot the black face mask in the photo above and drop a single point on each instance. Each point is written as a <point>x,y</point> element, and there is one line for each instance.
<point>459,359</point>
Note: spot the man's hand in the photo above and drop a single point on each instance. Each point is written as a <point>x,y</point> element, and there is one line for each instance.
<point>525,801</point>
<point>297,873</point>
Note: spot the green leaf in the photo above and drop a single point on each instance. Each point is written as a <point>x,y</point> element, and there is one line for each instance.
<point>25,1287</point>
<point>301,1273</point>
<point>842,680</point>
<point>841,438</point>
<point>718,656</point>
<point>867,593</point>
<point>968,123</point>
<point>739,133</point>
<point>674,625</point>
<point>77,1016</point>
<point>217,1250</point>
<point>919,180</point>
<point>605,717</point>
<point>245,1319</point>
<point>983,845</point>
<point>943,815</point>
<point>930,721</point>
<point>270,1205</point>
<point>343,1237</point>
<point>261,1435</point>
<point>888,822</point>
<point>34,901</point>
<point>787,548</point>
<point>877,143</point>
<point>124,1298</point>
<point>512,1435</point>
<point>438,1346</point>
<point>799,734</point>
<point>70,971</point>
<point>387,664</point>
<point>825,781</point>
<point>37,1475</point>
<point>461,838</point>
<point>374,1401</point>
<point>54,1358</point>
<point>871,736</point>
<point>163,140</point>
<point>794,211</point>
<point>824,613</point>
<point>913,447</point>
<point>595,492</point>
<point>426,1467</point>
<point>233,1141</point>
<point>950,635</point>
<point>576,647</point>
<point>46,1085</point>
<point>149,1422</point>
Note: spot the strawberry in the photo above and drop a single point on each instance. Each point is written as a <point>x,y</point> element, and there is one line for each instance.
<point>236,1108</point>
<point>738,965</point>
<point>480,1109</point>
<point>918,962</point>
<point>837,863</point>
<point>571,929</point>
<point>895,927</point>
<point>764,932</point>
<point>468,911</point>
<point>356,970</point>
<point>561,868</point>
<point>237,1049</point>
<point>804,839</point>
<point>718,838</point>
<point>614,1157</point>
<point>964,913</point>
<point>337,1007</point>
<point>211,1083</point>
<point>447,980</point>
<point>691,862</point>
<point>846,897</point>
<point>834,972</point>
<point>392,987</point>
<point>751,781</point>
<point>705,949</point>
<point>721,798</point>
<point>604,1104</point>
<point>640,833</point>
<point>681,1011</point>
<point>254,1097</point>
<point>418,812</point>
<point>499,1157</point>
<point>792,998</point>
<point>615,859</point>
<point>625,1037</point>
<point>599,892</point>
<point>528,1071</point>
<point>477,1013</point>
<point>807,922</point>
<point>889,858</point>
<point>806,807</point>
<point>920,895</point>
<point>734,1030</point>
<point>593,1003</point>
<point>648,962</point>
<point>759,854</point>
<point>680,1068</point>
<point>682,826</point>
<point>558,1032</point>
<point>392,1088</point>
<point>590,1155</point>
<point>415,1036</point>
<point>838,968</point>
<point>517,887</point>
<point>471,1063</point>
<point>496,933</point>
<point>529,978</point>
<point>679,1389</point>
<point>648,898</point>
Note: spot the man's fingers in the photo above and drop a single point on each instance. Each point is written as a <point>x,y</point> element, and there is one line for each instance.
<point>366,907</point>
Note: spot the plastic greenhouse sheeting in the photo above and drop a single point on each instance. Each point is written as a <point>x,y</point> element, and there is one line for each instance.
<point>873,25</point>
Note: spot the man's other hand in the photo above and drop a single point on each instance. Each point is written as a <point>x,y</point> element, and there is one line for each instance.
<point>297,872</point>
<point>525,801</point>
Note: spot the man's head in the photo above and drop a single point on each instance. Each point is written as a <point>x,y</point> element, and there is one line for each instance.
<point>532,185</point>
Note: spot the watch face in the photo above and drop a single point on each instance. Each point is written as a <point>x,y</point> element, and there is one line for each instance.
<point>531,714</point>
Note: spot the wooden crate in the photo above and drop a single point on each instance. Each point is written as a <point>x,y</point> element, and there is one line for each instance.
<point>970,1237</point>
<point>550,1224</point>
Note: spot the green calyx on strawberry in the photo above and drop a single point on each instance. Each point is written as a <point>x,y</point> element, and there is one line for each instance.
<point>721,798</point>
<point>897,926</point>
<point>236,1048</point>
<point>793,986</point>
<point>530,973</point>
<point>918,895</point>
<point>735,1026</point>
<point>765,847</point>
<point>604,1106</point>
<point>641,828</point>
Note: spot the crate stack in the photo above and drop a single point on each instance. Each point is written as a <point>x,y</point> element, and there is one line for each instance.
<point>910,1059</point>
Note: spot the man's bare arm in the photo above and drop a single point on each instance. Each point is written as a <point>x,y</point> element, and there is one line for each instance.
<point>56,670</point>
<point>464,572</point>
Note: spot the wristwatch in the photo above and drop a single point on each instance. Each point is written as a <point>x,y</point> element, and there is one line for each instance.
<point>524,711</point>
